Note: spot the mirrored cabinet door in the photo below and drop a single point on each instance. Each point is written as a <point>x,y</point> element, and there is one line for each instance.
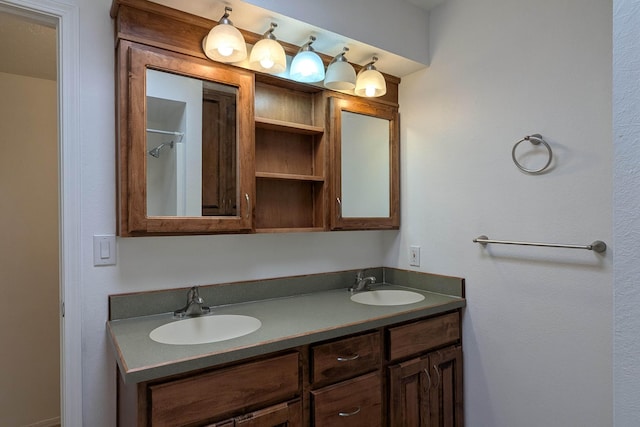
<point>365,165</point>
<point>186,162</point>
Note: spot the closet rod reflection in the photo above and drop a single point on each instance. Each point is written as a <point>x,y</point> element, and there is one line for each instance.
<point>597,246</point>
<point>165,132</point>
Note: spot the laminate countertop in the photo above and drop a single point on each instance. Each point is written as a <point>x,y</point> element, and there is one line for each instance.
<point>287,322</point>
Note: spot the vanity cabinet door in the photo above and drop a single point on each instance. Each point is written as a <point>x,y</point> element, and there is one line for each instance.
<point>409,391</point>
<point>427,391</point>
<point>445,400</point>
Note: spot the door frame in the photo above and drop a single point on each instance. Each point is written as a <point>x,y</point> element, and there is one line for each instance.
<point>65,17</point>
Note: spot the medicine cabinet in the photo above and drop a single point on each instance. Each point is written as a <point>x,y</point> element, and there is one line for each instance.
<point>206,147</point>
<point>365,165</point>
<point>188,156</point>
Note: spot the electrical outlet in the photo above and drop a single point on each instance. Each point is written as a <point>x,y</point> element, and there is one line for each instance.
<point>414,256</point>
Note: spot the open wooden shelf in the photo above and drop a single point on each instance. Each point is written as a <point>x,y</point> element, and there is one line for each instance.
<point>290,156</point>
<point>289,176</point>
<point>284,126</point>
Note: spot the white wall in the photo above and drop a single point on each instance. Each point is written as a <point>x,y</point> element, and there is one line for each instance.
<point>365,21</point>
<point>537,329</point>
<point>626,110</point>
<point>29,285</point>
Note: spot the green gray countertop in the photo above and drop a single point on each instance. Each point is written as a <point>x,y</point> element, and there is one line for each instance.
<point>287,322</point>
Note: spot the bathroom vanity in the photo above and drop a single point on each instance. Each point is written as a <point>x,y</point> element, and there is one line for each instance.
<point>319,359</point>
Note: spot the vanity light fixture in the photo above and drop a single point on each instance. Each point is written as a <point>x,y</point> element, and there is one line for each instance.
<point>307,67</point>
<point>225,43</point>
<point>268,55</point>
<point>370,82</point>
<point>340,74</point>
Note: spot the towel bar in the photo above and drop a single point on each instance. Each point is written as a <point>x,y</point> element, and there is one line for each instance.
<point>597,246</point>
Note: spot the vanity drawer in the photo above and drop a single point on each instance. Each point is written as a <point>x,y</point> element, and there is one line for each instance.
<point>424,335</point>
<point>222,392</point>
<point>354,403</point>
<point>338,360</point>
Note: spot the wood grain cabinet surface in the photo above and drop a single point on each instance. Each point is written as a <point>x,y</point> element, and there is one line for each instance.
<point>354,403</point>
<point>203,397</point>
<point>345,358</point>
<point>418,337</point>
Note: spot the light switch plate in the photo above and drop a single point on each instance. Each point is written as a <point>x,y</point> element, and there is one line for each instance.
<point>414,256</point>
<point>104,250</point>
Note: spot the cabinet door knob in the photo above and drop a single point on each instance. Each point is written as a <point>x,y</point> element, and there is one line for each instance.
<point>246,196</point>
<point>348,359</point>
<point>349,414</point>
<point>339,206</point>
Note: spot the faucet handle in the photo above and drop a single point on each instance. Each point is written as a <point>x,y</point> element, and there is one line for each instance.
<point>194,306</point>
<point>193,294</point>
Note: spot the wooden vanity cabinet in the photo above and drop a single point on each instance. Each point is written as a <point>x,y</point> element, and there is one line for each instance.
<point>426,389</point>
<point>401,375</point>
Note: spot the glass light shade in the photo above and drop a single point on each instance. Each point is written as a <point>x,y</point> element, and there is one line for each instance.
<point>225,43</point>
<point>340,76</point>
<point>268,56</point>
<point>307,67</point>
<point>370,83</point>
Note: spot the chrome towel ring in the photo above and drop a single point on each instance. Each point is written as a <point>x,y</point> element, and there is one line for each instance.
<point>535,139</point>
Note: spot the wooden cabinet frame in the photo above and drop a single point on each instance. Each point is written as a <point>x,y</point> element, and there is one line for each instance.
<point>290,201</point>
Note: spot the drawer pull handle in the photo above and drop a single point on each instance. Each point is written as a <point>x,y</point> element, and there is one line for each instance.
<point>426,371</point>
<point>349,414</point>
<point>348,359</point>
<point>435,367</point>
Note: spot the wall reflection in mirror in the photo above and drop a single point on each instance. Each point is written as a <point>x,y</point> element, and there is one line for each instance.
<point>191,146</point>
<point>365,166</point>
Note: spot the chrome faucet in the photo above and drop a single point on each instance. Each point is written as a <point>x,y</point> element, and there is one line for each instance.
<point>362,283</point>
<point>194,305</point>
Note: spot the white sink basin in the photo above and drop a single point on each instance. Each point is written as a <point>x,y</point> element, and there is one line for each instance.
<point>387,297</point>
<point>206,329</point>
